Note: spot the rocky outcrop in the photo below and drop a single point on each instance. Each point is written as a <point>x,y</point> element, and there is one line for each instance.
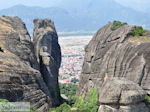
<point>121,95</point>
<point>19,70</point>
<point>116,54</point>
<point>48,54</point>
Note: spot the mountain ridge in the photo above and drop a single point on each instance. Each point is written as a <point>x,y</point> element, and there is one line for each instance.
<point>89,17</point>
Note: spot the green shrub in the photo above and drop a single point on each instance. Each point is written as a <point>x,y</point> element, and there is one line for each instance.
<point>69,90</point>
<point>147,99</point>
<point>79,102</point>
<point>139,31</point>
<point>92,100</point>
<point>90,105</point>
<point>116,25</point>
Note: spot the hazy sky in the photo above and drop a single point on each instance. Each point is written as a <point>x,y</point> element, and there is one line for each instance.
<point>141,5</point>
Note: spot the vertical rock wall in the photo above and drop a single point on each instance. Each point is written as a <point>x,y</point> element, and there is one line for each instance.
<point>116,54</point>
<point>20,79</point>
<point>48,54</point>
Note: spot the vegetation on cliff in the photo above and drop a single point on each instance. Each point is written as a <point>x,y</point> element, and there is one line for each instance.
<point>147,100</point>
<point>69,90</point>
<point>116,25</point>
<point>139,31</point>
<point>90,105</point>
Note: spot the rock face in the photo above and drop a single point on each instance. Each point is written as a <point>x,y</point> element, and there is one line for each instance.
<point>121,95</point>
<point>116,54</point>
<point>48,54</point>
<point>19,70</point>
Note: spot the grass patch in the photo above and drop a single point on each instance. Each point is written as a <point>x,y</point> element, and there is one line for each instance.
<point>3,100</point>
<point>116,25</point>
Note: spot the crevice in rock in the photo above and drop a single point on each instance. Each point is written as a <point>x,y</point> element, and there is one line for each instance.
<point>142,75</point>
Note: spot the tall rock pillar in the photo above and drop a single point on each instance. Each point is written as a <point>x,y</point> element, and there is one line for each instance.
<point>48,54</point>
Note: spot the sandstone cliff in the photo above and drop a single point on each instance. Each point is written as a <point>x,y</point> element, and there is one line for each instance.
<point>21,79</point>
<point>118,64</point>
<point>116,54</point>
<point>48,54</point>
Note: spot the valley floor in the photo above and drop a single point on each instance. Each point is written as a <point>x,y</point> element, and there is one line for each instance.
<point>72,48</point>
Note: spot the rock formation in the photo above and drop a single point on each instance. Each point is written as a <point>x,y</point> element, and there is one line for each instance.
<point>48,54</point>
<point>21,79</point>
<point>116,54</point>
<point>121,95</point>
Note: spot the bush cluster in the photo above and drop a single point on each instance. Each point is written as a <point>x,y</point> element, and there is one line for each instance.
<point>116,25</point>
<point>69,90</point>
<point>90,105</point>
<point>139,31</point>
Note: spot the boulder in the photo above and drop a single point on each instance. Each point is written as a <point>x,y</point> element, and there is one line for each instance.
<point>48,54</point>
<point>131,108</point>
<point>121,95</point>
<point>120,91</point>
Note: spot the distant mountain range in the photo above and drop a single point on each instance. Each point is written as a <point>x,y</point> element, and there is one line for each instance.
<point>80,15</point>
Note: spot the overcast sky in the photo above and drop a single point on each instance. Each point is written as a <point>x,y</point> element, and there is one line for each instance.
<point>140,5</point>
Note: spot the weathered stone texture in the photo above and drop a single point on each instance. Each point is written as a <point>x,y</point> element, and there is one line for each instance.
<point>116,54</point>
<point>121,95</point>
<point>20,79</point>
<point>48,54</point>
